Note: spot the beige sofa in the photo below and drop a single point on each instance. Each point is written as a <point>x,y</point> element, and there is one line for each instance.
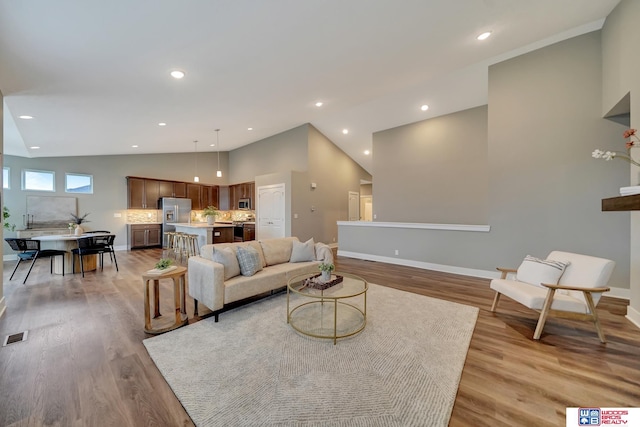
<point>217,284</point>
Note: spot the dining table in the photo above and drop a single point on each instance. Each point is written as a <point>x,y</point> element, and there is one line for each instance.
<point>68,242</point>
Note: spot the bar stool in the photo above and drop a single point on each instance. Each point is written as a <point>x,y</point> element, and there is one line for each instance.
<point>191,247</point>
<point>169,247</point>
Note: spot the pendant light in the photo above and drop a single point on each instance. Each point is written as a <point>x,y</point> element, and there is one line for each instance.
<point>219,172</point>
<point>196,178</point>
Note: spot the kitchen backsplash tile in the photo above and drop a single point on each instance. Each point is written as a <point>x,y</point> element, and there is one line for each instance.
<point>143,216</point>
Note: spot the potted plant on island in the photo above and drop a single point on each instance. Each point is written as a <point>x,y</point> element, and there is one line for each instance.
<point>210,213</point>
<point>326,270</point>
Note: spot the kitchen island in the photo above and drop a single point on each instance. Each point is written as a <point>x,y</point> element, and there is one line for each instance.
<point>207,234</point>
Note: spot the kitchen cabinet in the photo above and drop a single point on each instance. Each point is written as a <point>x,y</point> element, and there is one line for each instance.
<point>249,232</point>
<point>244,190</point>
<point>223,235</point>
<point>172,189</point>
<point>194,192</point>
<point>143,193</point>
<point>209,196</point>
<point>145,236</point>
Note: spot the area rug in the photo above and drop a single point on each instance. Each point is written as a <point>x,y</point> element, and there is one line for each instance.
<point>252,369</point>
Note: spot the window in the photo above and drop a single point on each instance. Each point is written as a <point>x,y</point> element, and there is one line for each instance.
<point>38,180</point>
<point>78,183</point>
<point>5,178</point>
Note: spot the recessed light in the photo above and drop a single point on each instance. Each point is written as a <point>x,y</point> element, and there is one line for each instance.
<point>249,128</point>
<point>319,104</point>
<point>162,124</point>
<point>212,145</point>
<point>484,35</point>
<point>177,74</point>
<point>367,152</point>
<point>35,147</point>
<point>345,131</point>
<point>134,146</point>
<point>425,107</point>
<point>26,117</point>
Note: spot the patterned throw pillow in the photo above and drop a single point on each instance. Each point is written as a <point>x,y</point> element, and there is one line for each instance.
<point>249,260</point>
<point>536,271</point>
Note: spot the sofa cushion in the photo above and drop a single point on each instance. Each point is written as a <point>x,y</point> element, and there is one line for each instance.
<point>301,252</point>
<point>227,258</point>
<point>536,271</point>
<point>249,260</point>
<point>277,251</point>
<point>265,280</point>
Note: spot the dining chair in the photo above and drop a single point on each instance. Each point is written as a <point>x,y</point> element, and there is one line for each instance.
<point>95,245</point>
<point>30,250</point>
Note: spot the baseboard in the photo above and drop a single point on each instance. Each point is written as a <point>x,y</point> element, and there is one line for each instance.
<point>633,316</point>
<point>424,265</point>
<point>484,274</point>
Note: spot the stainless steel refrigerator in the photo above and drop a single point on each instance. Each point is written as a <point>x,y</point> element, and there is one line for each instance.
<point>174,210</point>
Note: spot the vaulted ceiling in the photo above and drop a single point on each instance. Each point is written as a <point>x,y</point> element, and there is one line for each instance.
<point>94,75</point>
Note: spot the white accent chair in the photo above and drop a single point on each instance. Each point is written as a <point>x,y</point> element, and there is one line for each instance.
<point>575,296</point>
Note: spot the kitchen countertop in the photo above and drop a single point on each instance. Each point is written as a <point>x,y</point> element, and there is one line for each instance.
<point>199,225</point>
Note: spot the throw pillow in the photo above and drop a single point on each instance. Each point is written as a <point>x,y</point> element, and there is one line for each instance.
<point>249,260</point>
<point>301,252</point>
<point>536,271</point>
<point>227,258</point>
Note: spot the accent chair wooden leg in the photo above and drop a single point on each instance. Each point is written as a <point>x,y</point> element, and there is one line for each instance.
<point>544,313</point>
<point>495,301</point>
<point>195,307</point>
<point>594,316</point>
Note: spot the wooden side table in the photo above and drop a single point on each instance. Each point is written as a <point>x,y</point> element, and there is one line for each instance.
<point>179,294</point>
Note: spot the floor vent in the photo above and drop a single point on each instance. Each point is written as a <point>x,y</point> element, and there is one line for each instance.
<point>14,338</point>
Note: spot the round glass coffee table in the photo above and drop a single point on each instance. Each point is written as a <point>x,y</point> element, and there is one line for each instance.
<point>336,312</point>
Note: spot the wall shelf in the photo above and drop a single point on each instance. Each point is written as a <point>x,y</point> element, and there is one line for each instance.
<point>622,203</point>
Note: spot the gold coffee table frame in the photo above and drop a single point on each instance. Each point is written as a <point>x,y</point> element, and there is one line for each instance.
<point>352,286</point>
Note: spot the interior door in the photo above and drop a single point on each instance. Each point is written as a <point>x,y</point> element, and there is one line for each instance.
<point>271,211</point>
<point>354,206</point>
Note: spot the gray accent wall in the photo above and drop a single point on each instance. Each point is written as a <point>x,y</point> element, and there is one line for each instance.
<point>335,174</point>
<point>544,189</point>
<point>286,151</point>
<point>444,172</point>
<point>620,41</point>
<point>299,157</point>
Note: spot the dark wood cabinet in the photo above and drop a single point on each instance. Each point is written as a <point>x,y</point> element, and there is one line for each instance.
<point>172,189</point>
<point>209,196</point>
<point>245,190</point>
<point>223,235</point>
<point>145,236</point>
<point>194,192</point>
<point>143,193</point>
<point>249,232</point>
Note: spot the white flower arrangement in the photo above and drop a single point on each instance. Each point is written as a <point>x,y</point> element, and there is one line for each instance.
<point>610,155</point>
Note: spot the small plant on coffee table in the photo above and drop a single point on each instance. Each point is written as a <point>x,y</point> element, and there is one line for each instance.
<point>326,267</point>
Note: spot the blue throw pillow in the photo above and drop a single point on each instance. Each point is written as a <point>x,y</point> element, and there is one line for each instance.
<point>249,260</point>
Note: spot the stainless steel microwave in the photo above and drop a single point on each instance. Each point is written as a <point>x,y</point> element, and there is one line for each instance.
<point>244,204</point>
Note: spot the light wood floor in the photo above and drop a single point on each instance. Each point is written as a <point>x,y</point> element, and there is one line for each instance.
<point>84,364</point>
